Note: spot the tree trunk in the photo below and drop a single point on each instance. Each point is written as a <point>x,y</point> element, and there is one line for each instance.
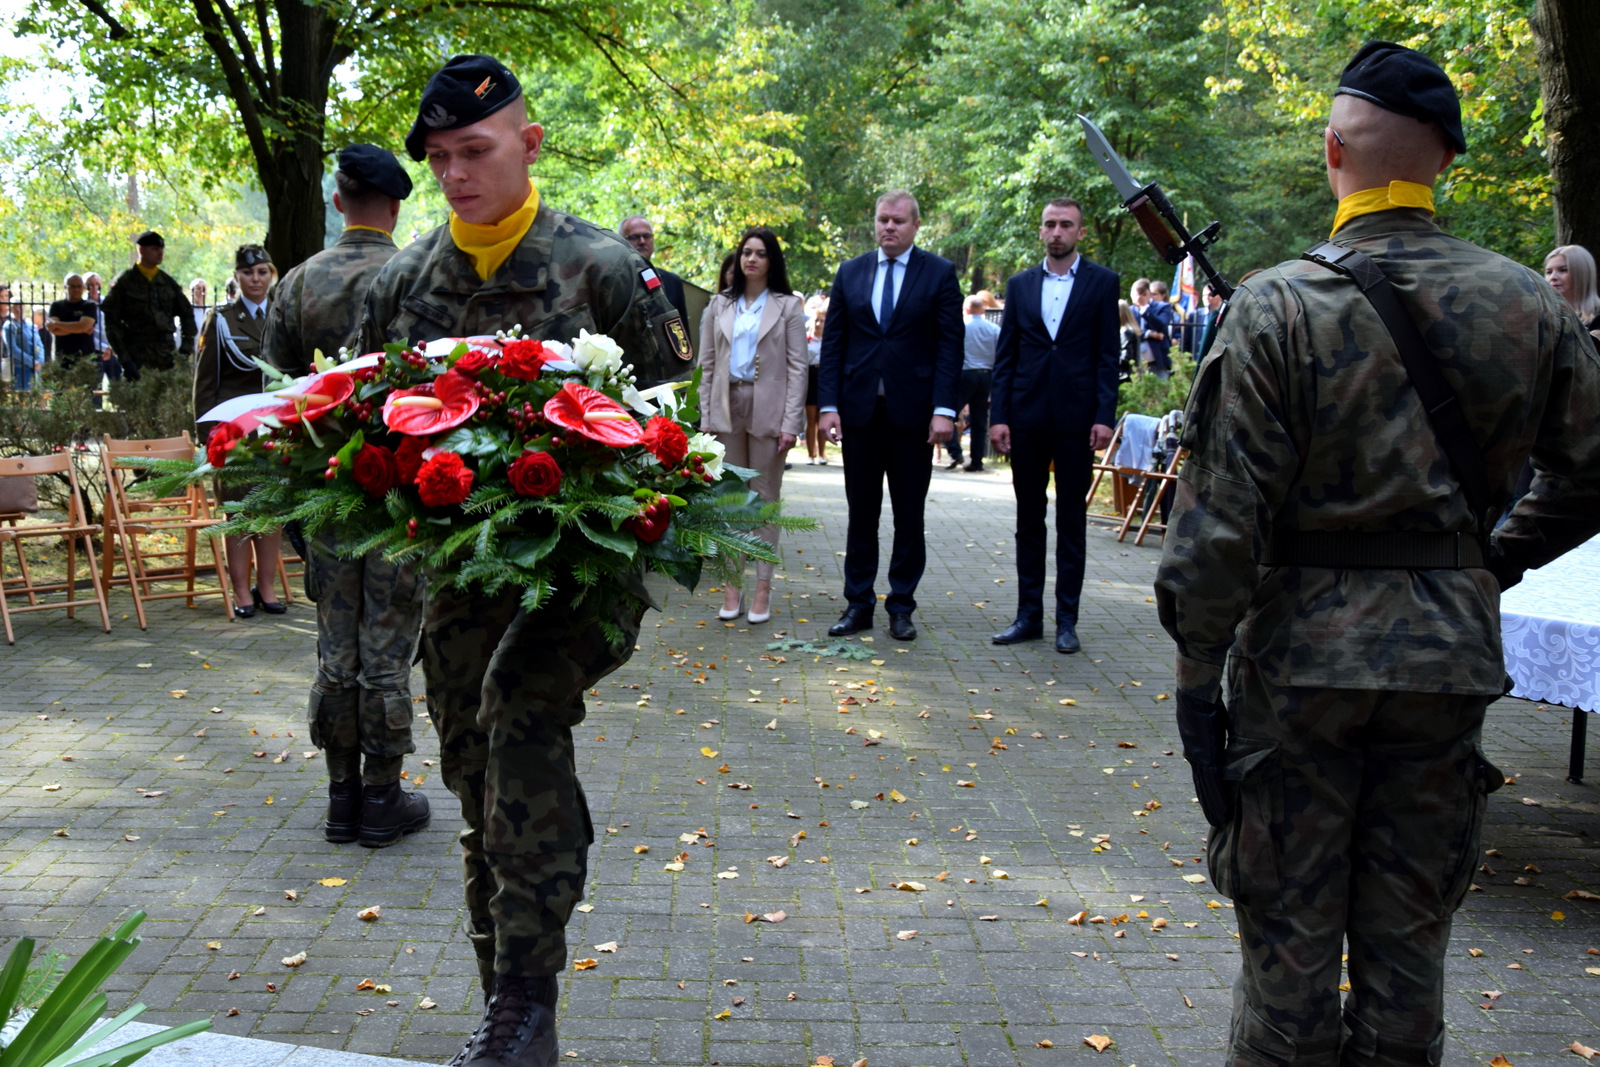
<point>1567,40</point>
<point>291,176</point>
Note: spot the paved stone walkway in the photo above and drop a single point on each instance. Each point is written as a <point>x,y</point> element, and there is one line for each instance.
<point>1014,788</point>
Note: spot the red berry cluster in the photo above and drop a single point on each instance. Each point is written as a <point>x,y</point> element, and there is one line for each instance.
<point>333,468</point>
<point>490,398</point>
<point>696,468</point>
<point>527,419</point>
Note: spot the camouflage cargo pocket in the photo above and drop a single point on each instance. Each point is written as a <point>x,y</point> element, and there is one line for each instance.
<point>1484,779</point>
<point>1243,854</point>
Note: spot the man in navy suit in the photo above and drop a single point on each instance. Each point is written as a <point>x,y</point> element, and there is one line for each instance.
<point>887,384</point>
<point>1053,401</point>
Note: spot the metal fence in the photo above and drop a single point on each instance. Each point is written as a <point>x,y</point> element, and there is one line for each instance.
<point>36,298</point>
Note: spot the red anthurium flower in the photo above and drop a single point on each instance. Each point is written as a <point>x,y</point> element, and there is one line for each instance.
<point>316,397</point>
<point>446,403</point>
<point>591,413</point>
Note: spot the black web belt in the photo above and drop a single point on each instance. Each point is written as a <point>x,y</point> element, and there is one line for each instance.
<point>1356,550</point>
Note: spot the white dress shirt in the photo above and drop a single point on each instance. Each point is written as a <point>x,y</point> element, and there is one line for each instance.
<point>1057,290</point>
<point>746,332</point>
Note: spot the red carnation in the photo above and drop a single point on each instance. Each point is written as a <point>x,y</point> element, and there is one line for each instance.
<point>432,407</point>
<point>591,413</point>
<point>444,480</point>
<point>224,435</point>
<point>523,359</point>
<point>475,360</point>
<point>666,441</point>
<point>408,458</point>
<point>535,474</point>
<point>375,470</point>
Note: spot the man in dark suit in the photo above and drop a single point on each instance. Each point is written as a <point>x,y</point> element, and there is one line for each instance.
<point>1201,319</point>
<point>889,377</point>
<point>1053,401</point>
<point>637,231</point>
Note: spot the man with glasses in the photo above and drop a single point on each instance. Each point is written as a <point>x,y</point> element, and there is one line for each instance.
<point>638,232</point>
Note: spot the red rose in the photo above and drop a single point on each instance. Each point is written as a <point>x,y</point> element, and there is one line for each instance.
<point>652,525</point>
<point>375,470</point>
<point>224,435</point>
<point>408,458</point>
<point>535,474</point>
<point>475,360</point>
<point>444,480</point>
<point>523,359</point>
<point>666,441</point>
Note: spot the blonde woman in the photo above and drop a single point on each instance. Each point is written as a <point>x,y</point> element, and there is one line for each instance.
<point>753,364</point>
<point>1570,270</point>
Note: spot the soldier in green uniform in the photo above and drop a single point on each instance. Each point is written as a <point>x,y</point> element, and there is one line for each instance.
<point>368,609</point>
<point>1324,579</point>
<point>505,685</point>
<point>139,310</point>
<point>225,367</point>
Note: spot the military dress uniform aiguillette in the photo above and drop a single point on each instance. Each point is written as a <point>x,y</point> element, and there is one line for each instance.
<point>505,686</point>
<point>1356,696</point>
<point>225,367</point>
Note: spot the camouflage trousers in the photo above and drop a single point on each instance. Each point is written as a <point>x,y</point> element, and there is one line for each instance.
<point>1358,822</point>
<point>368,610</point>
<point>505,688</point>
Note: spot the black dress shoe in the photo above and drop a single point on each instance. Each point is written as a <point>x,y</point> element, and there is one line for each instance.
<point>344,811</point>
<point>900,627</point>
<point>973,466</point>
<point>519,1027</point>
<point>1019,630</point>
<point>272,608</point>
<point>854,620</point>
<point>388,813</point>
<point>954,464</point>
<point>244,611</point>
<point>1067,640</point>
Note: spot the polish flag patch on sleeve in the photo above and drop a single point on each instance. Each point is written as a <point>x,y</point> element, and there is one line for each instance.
<point>650,279</point>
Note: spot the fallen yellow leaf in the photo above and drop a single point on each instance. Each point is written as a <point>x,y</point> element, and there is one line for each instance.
<point>905,935</point>
<point>425,1003</point>
<point>1583,1050</point>
<point>213,945</point>
<point>370,915</point>
<point>585,964</point>
<point>1098,1042</point>
<point>723,1014</point>
<point>1196,879</point>
<point>1499,1061</point>
<point>895,794</point>
<point>333,881</point>
<point>708,752</point>
<point>1044,1044</point>
<point>294,961</point>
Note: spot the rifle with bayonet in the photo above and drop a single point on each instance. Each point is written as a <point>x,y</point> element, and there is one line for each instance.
<point>1155,214</point>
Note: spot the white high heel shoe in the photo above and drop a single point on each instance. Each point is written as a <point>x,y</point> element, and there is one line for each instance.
<point>725,615</point>
<point>755,618</point>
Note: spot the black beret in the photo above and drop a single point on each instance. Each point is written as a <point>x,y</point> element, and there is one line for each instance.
<point>247,256</point>
<point>150,237</point>
<point>377,167</point>
<point>1406,82</point>
<point>466,90</point>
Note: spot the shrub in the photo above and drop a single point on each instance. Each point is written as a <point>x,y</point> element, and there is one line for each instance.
<point>1148,395</point>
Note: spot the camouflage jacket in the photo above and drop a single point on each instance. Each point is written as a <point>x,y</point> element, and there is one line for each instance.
<point>565,275</point>
<point>138,316</point>
<point>1302,419</point>
<point>317,305</point>
<point>223,368</point>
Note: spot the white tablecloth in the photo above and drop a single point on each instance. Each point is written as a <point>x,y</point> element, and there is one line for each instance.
<point>1550,624</point>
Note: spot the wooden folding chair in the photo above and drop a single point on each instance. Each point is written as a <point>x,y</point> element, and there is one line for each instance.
<point>75,529</point>
<point>1127,482</point>
<point>1157,484</point>
<point>185,517</point>
<point>284,561</point>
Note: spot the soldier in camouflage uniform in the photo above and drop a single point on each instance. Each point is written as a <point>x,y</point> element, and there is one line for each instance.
<point>505,685</point>
<point>368,609</point>
<point>140,308</point>
<point>1348,801</point>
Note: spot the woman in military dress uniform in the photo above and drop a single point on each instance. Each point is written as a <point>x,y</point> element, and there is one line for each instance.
<point>224,368</point>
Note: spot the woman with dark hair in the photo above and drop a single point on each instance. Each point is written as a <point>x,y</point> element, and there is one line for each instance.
<point>753,365</point>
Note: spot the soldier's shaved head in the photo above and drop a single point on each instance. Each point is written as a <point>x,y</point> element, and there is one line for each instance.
<point>1368,146</point>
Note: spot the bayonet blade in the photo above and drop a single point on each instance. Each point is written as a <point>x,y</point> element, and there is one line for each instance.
<point>1127,186</point>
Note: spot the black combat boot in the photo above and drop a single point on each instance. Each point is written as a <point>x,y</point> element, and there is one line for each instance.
<point>460,1058</point>
<point>344,811</point>
<point>389,813</point>
<point>519,1027</point>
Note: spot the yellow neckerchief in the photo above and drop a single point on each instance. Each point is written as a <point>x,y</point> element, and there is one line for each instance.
<point>491,244</point>
<point>1395,194</point>
<point>148,272</point>
<point>374,229</point>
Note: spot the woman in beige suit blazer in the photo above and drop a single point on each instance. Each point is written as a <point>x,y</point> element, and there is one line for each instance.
<point>753,365</point>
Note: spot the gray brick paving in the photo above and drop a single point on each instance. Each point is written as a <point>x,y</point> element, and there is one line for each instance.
<point>223,829</point>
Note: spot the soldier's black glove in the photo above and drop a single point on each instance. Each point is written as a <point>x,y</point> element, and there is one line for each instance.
<point>1204,729</point>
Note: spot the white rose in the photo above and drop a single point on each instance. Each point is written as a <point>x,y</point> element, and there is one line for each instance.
<point>595,352</point>
<point>706,445</point>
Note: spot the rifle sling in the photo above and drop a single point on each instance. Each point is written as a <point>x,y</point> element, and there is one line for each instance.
<point>1417,550</point>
